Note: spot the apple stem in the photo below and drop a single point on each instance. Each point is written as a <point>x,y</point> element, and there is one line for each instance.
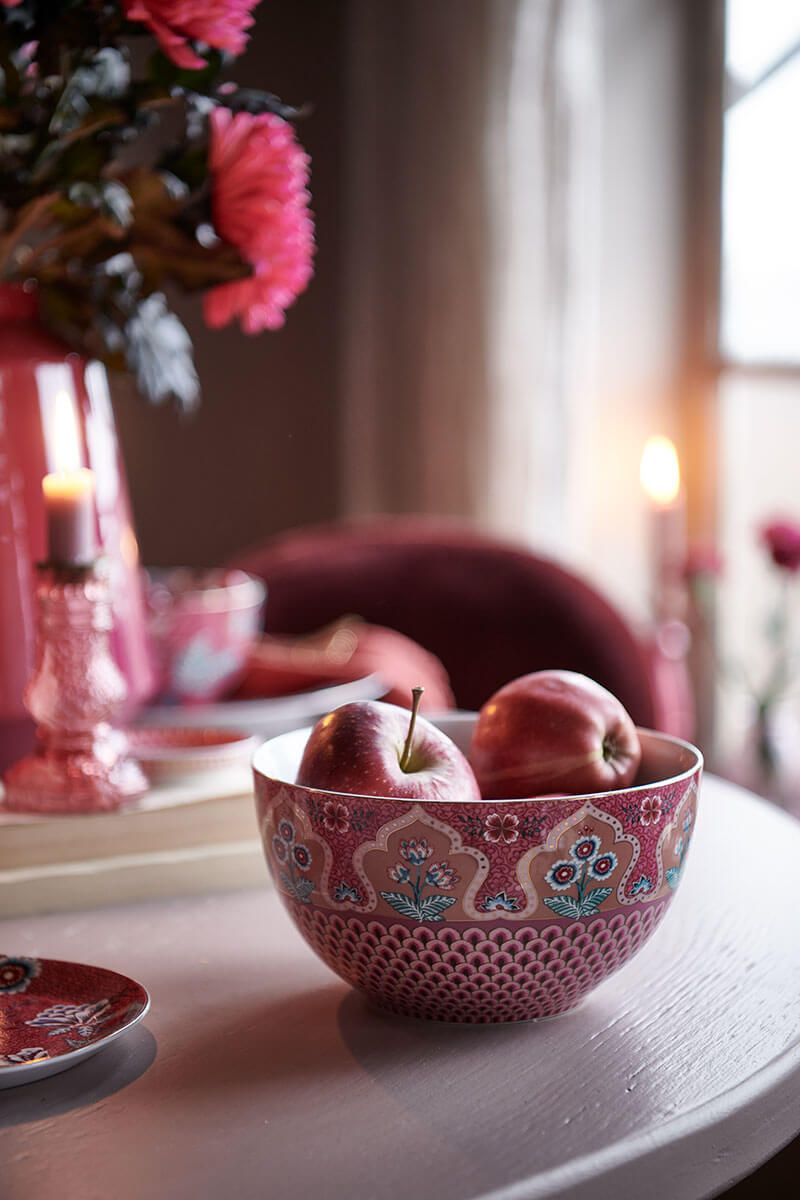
<point>405,757</point>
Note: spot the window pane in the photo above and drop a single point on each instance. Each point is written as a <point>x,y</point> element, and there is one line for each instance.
<point>761,192</point>
<point>759,480</point>
<point>759,34</point>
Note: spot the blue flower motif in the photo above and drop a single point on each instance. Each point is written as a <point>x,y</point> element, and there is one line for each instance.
<point>399,873</point>
<point>603,866</point>
<point>302,856</point>
<point>345,893</point>
<point>16,973</point>
<point>562,874</point>
<point>687,822</point>
<point>643,884</point>
<point>286,831</point>
<point>585,849</point>
<point>500,902</point>
<point>679,847</point>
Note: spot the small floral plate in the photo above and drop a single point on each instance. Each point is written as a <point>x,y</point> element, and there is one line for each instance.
<point>55,1014</point>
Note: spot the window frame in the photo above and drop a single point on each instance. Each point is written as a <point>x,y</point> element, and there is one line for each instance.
<point>704,364</point>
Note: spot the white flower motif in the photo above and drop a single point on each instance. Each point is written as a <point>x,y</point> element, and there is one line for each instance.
<point>501,827</point>
<point>650,810</point>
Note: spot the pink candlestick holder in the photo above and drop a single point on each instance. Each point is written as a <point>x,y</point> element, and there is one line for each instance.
<point>81,762</point>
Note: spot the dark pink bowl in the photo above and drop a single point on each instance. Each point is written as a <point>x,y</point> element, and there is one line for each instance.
<point>503,910</point>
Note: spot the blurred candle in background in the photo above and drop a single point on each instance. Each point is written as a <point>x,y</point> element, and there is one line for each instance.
<point>69,491</point>
<point>660,475</point>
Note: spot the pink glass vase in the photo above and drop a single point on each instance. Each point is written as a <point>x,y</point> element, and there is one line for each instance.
<point>34,367</point>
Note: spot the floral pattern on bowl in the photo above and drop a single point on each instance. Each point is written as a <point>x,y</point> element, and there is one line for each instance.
<point>583,879</point>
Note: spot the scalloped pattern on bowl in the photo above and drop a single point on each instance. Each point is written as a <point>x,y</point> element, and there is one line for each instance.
<point>476,975</point>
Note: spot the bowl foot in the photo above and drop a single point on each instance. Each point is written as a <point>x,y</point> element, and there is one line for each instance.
<point>384,1009</point>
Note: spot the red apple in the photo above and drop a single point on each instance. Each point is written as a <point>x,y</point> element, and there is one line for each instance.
<point>553,731</point>
<point>377,749</point>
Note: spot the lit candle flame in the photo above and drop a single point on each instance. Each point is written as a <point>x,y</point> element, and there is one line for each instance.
<point>64,442</point>
<point>660,471</point>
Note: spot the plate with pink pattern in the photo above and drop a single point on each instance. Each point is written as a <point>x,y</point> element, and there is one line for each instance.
<point>55,1014</point>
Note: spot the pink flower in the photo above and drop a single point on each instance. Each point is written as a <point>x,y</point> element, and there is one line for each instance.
<point>501,827</point>
<point>782,539</point>
<point>175,23</point>
<point>650,810</point>
<point>259,174</point>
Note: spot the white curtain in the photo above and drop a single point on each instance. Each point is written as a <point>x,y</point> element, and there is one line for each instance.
<point>472,130</point>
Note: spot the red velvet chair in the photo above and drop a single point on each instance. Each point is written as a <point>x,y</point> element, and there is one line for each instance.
<point>489,610</point>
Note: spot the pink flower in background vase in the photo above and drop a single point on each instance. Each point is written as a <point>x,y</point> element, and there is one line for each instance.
<point>782,539</point>
<point>259,197</point>
<point>175,23</point>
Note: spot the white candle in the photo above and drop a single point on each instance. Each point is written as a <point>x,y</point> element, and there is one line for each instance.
<point>69,505</point>
<point>69,492</point>
<point>660,475</point>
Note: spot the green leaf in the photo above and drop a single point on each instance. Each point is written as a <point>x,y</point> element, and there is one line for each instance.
<point>432,907</point>
<point>159,352</point>
<point>108,197</point>
<point>402,904</point>
<point>563,906</point>
<point>593,900</point>
<point>194,267</point>
<point>116,202</point>
<point>103,77</point>
<point>252,100</point>
<point>155,193</point>
<point>190,165</point>
<point>76,157</point>
<point>164,72</point>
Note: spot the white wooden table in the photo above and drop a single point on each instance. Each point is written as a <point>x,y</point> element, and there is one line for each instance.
<point>259,1076</point>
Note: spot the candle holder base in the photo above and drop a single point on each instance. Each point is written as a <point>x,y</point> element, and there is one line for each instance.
<point>98,779</point>
<point>81,762</point>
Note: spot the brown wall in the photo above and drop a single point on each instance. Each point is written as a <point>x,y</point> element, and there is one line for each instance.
<point>260,455</point>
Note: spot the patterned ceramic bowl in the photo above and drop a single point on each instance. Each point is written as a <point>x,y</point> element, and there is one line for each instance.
<point>203,624</point>
<point>492,911</point>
